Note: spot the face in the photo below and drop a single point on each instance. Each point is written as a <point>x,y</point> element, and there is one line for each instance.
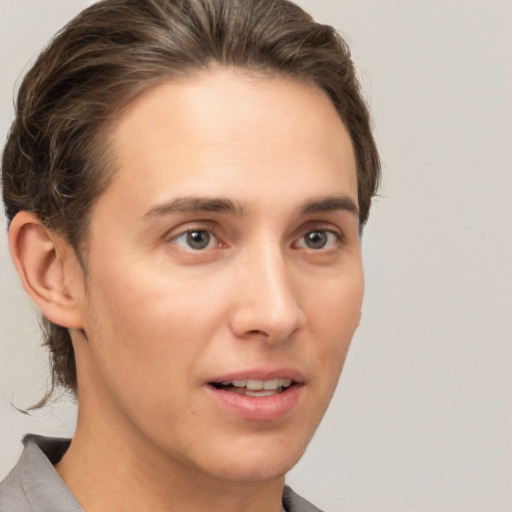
<point>224,277</point>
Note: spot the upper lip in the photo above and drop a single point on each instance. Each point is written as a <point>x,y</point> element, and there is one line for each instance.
<point>260,374</point>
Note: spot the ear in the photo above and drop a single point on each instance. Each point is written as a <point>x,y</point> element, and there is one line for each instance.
<point>48,268</point>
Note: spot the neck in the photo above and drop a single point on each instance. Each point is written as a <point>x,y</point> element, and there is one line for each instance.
<point>109,470</point>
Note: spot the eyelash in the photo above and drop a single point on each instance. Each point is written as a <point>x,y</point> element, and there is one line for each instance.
<point>334,237</point>
<point>190,232</point>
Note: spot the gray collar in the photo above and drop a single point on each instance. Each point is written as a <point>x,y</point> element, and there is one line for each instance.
<point>33,484</point>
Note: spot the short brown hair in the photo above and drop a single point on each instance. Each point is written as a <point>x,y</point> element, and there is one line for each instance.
<point>55,158</point>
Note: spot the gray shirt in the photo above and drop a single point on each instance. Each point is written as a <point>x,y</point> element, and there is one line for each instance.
<point>34,485</point>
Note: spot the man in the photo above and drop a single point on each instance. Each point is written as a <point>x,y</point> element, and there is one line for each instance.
<point>186,183</point>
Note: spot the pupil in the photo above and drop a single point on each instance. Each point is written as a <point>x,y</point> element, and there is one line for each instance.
<point>316,239</point>
<point>198,239</point>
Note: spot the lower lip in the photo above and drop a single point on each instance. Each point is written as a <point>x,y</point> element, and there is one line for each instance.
<point>257,408</point>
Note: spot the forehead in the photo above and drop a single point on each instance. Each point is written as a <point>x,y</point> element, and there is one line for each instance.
<point>203,134</point>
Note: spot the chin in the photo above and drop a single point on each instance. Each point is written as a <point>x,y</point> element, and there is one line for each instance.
<point>257,461</point>
<point>255,470</point>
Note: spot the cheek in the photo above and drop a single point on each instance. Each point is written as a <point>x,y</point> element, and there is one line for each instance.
<point>138,299</point>
<point>146,331</point>
<point>336,307</point>
<point>334,318</point>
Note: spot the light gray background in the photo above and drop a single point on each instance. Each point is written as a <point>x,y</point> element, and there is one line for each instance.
<point>422,420</point>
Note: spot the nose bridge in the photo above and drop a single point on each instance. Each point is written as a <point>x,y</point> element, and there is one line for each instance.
<point>268,303</point>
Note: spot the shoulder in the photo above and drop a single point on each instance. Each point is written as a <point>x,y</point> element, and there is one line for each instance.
<point>292,502</point>
<point>12,495</point>
<point>15,490</point>
<point>33,484</point>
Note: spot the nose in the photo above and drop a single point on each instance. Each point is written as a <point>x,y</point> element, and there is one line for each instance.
<point>267,304</point>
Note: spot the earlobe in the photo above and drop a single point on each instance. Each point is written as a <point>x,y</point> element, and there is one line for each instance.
<point>47,267</point>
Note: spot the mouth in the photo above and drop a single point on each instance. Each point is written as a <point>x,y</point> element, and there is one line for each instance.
<point>253,387</point>
<point>258,395</point>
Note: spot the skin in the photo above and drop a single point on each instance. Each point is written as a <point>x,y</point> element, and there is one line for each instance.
<point>162,318</point>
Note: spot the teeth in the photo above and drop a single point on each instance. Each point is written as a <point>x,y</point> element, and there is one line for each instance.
<point>270,384</point>
<point>262,392</point>
<point>254,385</point>
<point>259,385</point>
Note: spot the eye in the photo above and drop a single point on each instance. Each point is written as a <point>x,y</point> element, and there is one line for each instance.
<point>196,239</point>
<point>318,239</point>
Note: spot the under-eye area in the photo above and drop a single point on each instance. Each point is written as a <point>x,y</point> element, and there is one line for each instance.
<point>253,387</point>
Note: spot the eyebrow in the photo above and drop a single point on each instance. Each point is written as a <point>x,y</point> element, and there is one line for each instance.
<point>223,205</point>
<point>327,204</point>
<point>196,204</point>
